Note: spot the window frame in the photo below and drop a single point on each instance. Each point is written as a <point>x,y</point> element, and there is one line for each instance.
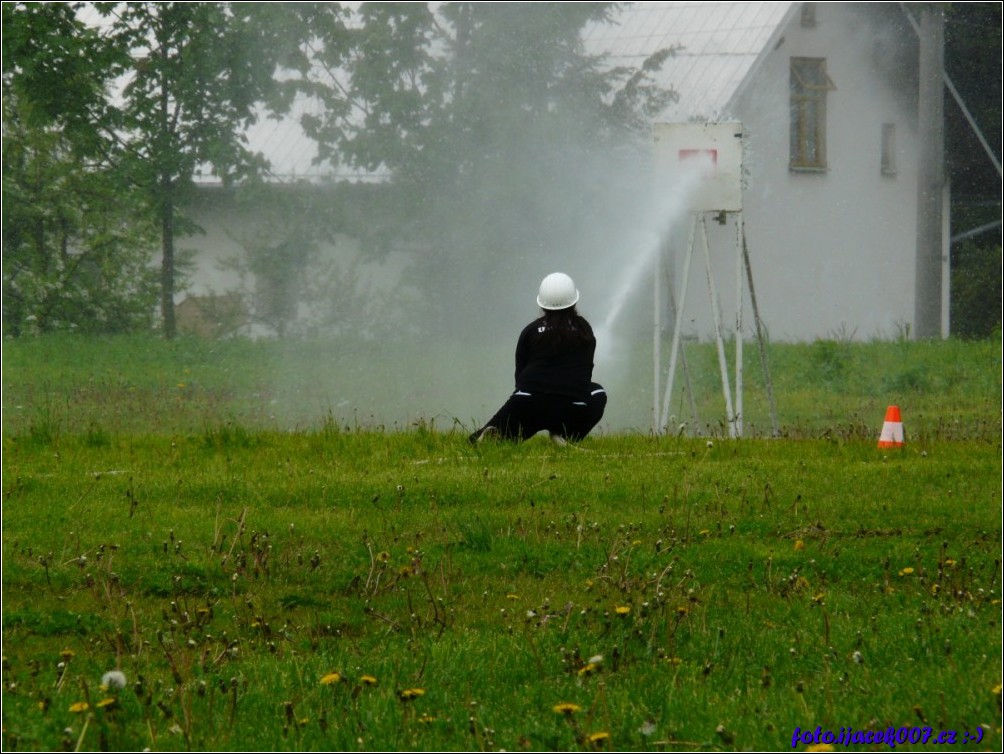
<point>808,87</point>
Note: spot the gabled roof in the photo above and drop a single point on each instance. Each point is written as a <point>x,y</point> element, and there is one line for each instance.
<point>717,46</point>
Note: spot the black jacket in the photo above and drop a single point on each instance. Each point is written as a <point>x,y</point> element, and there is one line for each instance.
<point>565,370</point>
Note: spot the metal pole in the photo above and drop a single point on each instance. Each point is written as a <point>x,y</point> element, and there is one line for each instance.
<point>931,174</point>
<point>656,339</point>
<point>716,314</point>
<point>739,324</point>
<point>677,325</point>
<point>761,340</point>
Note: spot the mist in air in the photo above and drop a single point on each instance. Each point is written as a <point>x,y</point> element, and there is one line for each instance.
<point>434,331</point>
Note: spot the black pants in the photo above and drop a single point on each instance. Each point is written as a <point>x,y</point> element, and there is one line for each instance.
<point>526,414</point>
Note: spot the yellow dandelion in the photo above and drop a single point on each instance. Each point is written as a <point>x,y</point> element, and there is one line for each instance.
<point>674,660</point>
<point>409,694</point>
<point>636,542</point>
<point>404,570</point>
<point>704,532</point>
<point>599,737</point>
<point>588,669</point>
<point>67,654</point>
<point>799,544</point>
<point>181,386</point>
<point>817,598</point>
<point>331,678</point>
<point>426,718</point>
<point>79,707</point>
<point>622,609</point>
<point>996,690</point>
<point>906,571</point>
<point>949,562</point>
<point>383,556</point>
<point>682,610</point>
<point>108,701</point>
<point>303,721</point>
<point>820,747</point>
<point>368,680</point>
<point>935,589</point>
<point>512,596</point>
<point>566,708</point>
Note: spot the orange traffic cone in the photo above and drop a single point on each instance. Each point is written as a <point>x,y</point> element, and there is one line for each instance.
<point>892,429</point>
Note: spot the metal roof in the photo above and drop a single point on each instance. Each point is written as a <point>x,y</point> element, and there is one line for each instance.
<point>717,45</point>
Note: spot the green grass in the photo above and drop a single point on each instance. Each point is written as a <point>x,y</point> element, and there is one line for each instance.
<point>136,384</point>
<point>726,591</point>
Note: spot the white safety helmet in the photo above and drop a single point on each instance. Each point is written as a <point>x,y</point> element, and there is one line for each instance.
<point>557,291</point>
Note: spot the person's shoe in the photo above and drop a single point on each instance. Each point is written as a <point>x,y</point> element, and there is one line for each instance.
<point>482,434</point>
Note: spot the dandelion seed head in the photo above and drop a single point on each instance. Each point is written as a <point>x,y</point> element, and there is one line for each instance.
<point>113,679</point>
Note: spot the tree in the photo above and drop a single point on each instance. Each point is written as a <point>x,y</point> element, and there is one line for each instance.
<point>76,253</point>
<point>973,62</point>
<point>500,137</point>
<point>160,92</point>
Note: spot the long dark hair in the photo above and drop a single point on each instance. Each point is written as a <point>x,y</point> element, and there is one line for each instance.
<point>564,328</point>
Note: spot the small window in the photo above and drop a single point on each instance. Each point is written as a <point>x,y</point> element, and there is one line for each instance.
<point>808,86</point>
<point>808,15</point>
<point>888,149</point>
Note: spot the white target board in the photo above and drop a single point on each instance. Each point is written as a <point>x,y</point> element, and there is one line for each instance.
<point>702,160</point>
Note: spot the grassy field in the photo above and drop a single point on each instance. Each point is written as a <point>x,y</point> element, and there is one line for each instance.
<point>346,587</point>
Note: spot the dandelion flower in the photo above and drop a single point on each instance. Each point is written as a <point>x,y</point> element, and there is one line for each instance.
<point>109,701</point>
<point>996,690</point>
<point>820,747</point>
<point>79,707</point>
<point>368,680</point>
<point>599,737</point>
<point>588,669</point>
<point>622,609</point>
<point>331,678</point>
<point>409,694</point>
<point>113,679</point>
<point>799,544</point>
<point>906,571</point>
<point>511,596</point>
<point>426,718</point>
<point>566,708</point>
<point>67,655</point>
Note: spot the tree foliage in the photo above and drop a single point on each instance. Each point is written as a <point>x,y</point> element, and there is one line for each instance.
<point>158,92</point>
<point>973,61</point>
<point>501,138</point>
<point>76,251</point>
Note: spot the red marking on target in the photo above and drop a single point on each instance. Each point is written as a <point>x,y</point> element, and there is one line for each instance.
<point>706,159</point>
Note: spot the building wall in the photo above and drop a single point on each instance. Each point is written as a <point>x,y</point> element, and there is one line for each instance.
<point>833,252</point>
